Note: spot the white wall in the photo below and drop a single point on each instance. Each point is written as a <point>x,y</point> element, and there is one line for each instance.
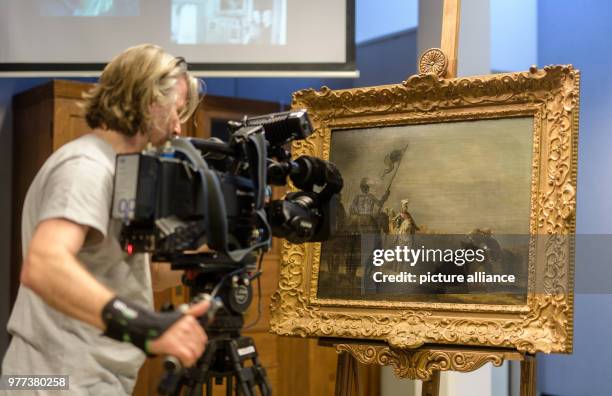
<point>474,55</point>
<point>474,34</point>
<point>375,18</point>
<point>486,381</point>
<point>514,35</point>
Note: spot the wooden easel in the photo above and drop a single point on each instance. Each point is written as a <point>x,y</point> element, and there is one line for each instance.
<point>427,362</point>
<point>424,364</point>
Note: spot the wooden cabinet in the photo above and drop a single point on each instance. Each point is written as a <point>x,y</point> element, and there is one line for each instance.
<point>48,116</point>
<point>45,117</point>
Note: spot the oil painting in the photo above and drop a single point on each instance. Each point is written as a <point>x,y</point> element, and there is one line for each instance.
<point>448,184</point>
<point>457,216</point>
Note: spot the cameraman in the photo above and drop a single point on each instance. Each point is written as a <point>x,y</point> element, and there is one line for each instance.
<point>76,282</point>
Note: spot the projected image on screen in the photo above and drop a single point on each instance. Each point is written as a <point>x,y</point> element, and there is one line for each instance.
<point>261,22</point>
<point>89,8</point>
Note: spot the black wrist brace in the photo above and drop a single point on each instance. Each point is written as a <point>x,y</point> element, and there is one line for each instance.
<point>129,322</point>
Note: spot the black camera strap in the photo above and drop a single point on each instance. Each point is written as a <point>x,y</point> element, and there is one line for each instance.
<point>218,228</point>
<point>257,154</point>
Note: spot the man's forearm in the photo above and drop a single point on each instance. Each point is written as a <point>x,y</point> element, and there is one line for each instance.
<point>52,270</point>
<point>63,283</point>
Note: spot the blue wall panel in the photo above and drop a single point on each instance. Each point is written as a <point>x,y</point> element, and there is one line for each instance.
<point>578,33</point>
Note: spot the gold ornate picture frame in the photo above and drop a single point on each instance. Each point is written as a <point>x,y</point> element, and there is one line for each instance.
<point>549,98</point>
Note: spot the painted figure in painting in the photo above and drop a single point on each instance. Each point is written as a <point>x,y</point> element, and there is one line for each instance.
<point>404,224</point>
<point>364,219</point>
<point>404,227</point>
<point>364,216</point>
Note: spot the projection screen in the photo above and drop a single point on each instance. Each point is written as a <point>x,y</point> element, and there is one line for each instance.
<point>217,37</point>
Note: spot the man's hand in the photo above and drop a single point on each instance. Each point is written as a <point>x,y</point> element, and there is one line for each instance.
<point>185,339</point>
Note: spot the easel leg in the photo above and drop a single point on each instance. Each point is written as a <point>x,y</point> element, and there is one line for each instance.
<point>528,376</point>
<point>432,387</point>
<point>347,379</point>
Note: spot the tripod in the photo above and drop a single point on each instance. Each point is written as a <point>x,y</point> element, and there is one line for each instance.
<point>227,350</point>
<point>223,359</point>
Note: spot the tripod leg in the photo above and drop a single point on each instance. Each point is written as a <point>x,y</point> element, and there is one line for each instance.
<point>261,378</point>
<point>229,385</point>
<point>432,387</point>
<point>528,376</point>
<point>346,379</point>
<point>196,390</point>
<point>209,387</point>
<point>242,385</point>
<point>178,389</point>
<point>240,350</point>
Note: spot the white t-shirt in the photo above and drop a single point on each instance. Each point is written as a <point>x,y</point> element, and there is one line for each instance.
<point>76,183</point>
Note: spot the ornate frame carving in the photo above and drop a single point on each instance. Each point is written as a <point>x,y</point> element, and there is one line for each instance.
<point>421,363</point>
<point>545,322</point>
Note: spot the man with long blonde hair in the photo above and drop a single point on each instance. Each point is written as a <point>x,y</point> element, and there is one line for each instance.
<point>76,282</point>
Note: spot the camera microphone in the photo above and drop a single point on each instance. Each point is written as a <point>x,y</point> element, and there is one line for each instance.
<point>281,128</point>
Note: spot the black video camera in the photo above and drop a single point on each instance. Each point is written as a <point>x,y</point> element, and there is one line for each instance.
<point>193,192</point>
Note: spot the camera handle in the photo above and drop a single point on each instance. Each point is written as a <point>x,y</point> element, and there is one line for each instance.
<point>171,363</point>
